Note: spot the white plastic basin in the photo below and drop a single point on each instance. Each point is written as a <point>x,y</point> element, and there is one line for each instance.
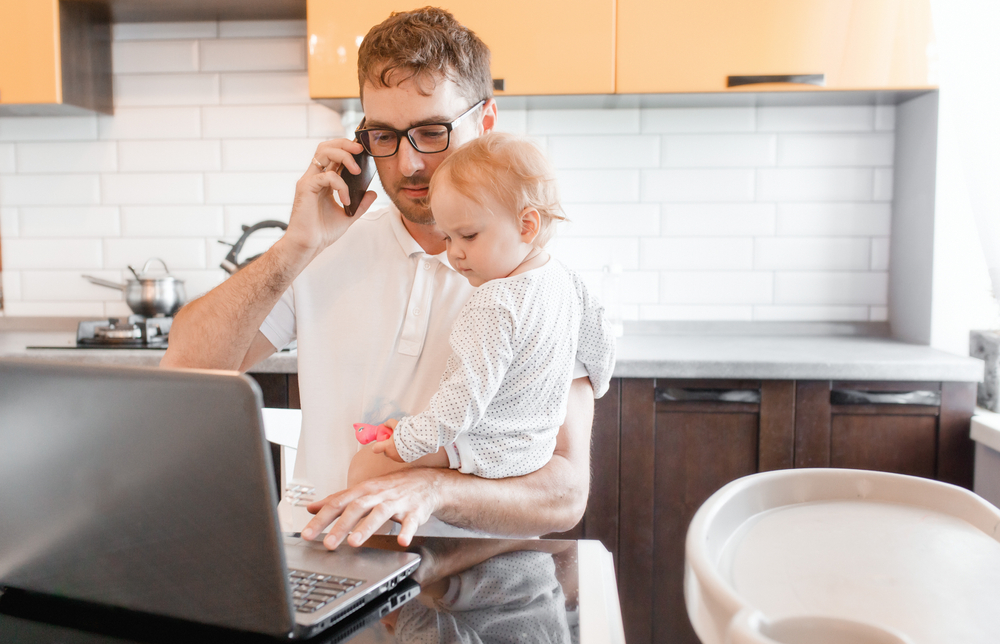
<point>827,556</point>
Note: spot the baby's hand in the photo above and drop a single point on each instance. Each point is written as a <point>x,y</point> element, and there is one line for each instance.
<point>388,448</point>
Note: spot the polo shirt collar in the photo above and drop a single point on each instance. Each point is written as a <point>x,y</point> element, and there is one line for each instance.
<point>407,243</point>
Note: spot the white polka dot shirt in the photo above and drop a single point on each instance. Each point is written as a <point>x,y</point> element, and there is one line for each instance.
<point>504,391</point>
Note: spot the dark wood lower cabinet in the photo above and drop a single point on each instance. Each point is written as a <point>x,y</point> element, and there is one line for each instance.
<point>672,454</point>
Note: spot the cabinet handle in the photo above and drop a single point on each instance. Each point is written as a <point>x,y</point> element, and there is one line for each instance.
<point>499,84</point>
<point>680,394</point>
<point>855,397</point>
<point>807,79</point>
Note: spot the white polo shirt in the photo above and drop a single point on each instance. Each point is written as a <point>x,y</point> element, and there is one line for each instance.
<point>372,315</point>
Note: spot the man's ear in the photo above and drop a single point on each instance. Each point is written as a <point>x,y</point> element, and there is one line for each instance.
<point>530,223</point>
<point>489,120</point>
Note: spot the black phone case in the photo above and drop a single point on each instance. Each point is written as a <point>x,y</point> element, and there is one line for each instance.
<point>357,184</point>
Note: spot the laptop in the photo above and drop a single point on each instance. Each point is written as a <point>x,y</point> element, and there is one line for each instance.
<point>153,490</point>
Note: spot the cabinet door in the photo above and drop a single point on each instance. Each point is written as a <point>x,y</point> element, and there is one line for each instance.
<point>29,52</point>
<point>685,46</point>
<point>555,47</point>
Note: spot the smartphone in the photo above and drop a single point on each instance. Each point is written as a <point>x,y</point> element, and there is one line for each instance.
<point>357,184</point>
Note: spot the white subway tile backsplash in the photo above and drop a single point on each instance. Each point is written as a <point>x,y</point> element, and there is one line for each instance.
<point>880,254</point>
<point>10,280</point>
<point>152,188</point>
<point>811,254</point>
<point>622,121</point>
<point>834,219</point>
<point>709,185</point>
<point>153,56</point>
<point>885,118</point>
<point>248,215</point>
<point>7,159</point>
<point>842,149</point>
<point>261,28</point>
<point>684,120</point>
<point>810,313</point>
<point>696,253</point>
<point>324,122</point>
<point>250,187</point>
<point>49,189</point>
<point>266,88</point>
<point>857,118</point>
<point>814,184</point>
<point>151,122</point>
<point>598,186</point>
<point>51,253</point>
<point>253,54</point>
<point>214,125</point>
<point>53,286</point>
<point>147,90</point>
<point>883,184</point>
<point>172,221</point>
<point>67,156</point>
<point>717,219</point>
<point>611,220</point>
<point>718,150</point>
<point>279,155</point>
<point>604,151</point>
<point>831,288</point>
<point>879,314</point>
<point>594,253</point>
<point>176,253</point>
<point>716,287</point>
<point>708,313</point>
<point>169,156</point>
<point>54,309</point>
<point>9,224</point>
<point>163,30</point>
<point>247,122</point>
<point>48,128</point>
<point>69,222</point>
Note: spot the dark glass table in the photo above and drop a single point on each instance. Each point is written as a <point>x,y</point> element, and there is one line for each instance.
<point>470,590</point>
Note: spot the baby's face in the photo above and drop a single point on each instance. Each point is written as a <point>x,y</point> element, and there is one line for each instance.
<point>482,245</point>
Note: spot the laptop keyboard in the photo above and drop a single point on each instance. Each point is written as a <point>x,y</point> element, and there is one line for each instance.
<point>312,591</point>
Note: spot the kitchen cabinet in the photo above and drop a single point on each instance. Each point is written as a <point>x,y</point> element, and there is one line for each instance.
<point>554,47</point>
<point>55,57</point>
<point>280,391</point>
<point>662,447</point>
<point>682,46</point>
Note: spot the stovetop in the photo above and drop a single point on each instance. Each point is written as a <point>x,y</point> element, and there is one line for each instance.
<point>136,332</point>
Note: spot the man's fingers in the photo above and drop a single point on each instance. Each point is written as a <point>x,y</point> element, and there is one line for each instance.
<point>407,530</point>
<point>336,153</point>
<point>349,519</point>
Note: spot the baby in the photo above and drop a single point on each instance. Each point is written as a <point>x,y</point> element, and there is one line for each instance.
<point>517,340</point>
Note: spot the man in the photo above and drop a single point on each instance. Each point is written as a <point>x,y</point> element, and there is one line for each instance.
<point>371,300</point>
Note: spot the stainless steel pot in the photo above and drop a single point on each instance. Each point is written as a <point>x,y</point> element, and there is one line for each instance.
<point>162,295</point>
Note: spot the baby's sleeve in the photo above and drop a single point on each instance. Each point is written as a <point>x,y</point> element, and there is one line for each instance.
<point>596,347</point>
<point>482,352</point>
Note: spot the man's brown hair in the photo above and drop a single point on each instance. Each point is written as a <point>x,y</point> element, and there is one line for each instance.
<point>422,44</point>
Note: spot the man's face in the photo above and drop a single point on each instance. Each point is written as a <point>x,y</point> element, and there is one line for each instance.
<point>406,175</point>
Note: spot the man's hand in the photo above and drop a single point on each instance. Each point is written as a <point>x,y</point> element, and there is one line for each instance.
<point>408,497</point>
<point>317,220</point>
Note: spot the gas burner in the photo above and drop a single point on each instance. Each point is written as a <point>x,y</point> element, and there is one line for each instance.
<point>137,332</point>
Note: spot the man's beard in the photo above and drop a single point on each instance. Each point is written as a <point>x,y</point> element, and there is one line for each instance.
<point>415,211</point>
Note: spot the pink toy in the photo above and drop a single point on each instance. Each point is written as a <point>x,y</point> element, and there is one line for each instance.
<point>368,433</point>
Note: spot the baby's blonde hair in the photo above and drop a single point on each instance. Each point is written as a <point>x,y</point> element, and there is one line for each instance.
<point>509,170</point>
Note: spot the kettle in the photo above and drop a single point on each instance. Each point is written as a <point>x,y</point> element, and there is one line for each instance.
<point>230,263</point>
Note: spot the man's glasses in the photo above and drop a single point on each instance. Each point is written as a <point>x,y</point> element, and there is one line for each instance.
<point>426,139</point>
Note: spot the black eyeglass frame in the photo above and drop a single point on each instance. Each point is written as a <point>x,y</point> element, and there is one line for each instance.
<point>401,133</point>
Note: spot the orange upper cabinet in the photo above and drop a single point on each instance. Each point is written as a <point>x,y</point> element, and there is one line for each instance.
<point>538,47</point>
<point>697,45</point>
<point>55,57</point>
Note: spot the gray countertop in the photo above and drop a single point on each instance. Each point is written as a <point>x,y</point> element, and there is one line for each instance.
<point>802,357</point>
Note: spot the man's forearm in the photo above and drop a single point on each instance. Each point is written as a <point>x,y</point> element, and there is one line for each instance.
<point>215,331</point>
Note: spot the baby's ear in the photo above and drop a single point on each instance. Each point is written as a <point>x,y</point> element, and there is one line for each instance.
<point>530,223</point>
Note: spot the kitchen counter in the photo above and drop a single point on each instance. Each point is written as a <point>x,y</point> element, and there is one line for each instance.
<point>764,357</point>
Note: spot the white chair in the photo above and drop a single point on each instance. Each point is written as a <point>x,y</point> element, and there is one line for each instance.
<point>827,556</point>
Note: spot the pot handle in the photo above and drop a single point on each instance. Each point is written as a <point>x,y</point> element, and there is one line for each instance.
<point>145,267</point>
<point>100,282</point>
